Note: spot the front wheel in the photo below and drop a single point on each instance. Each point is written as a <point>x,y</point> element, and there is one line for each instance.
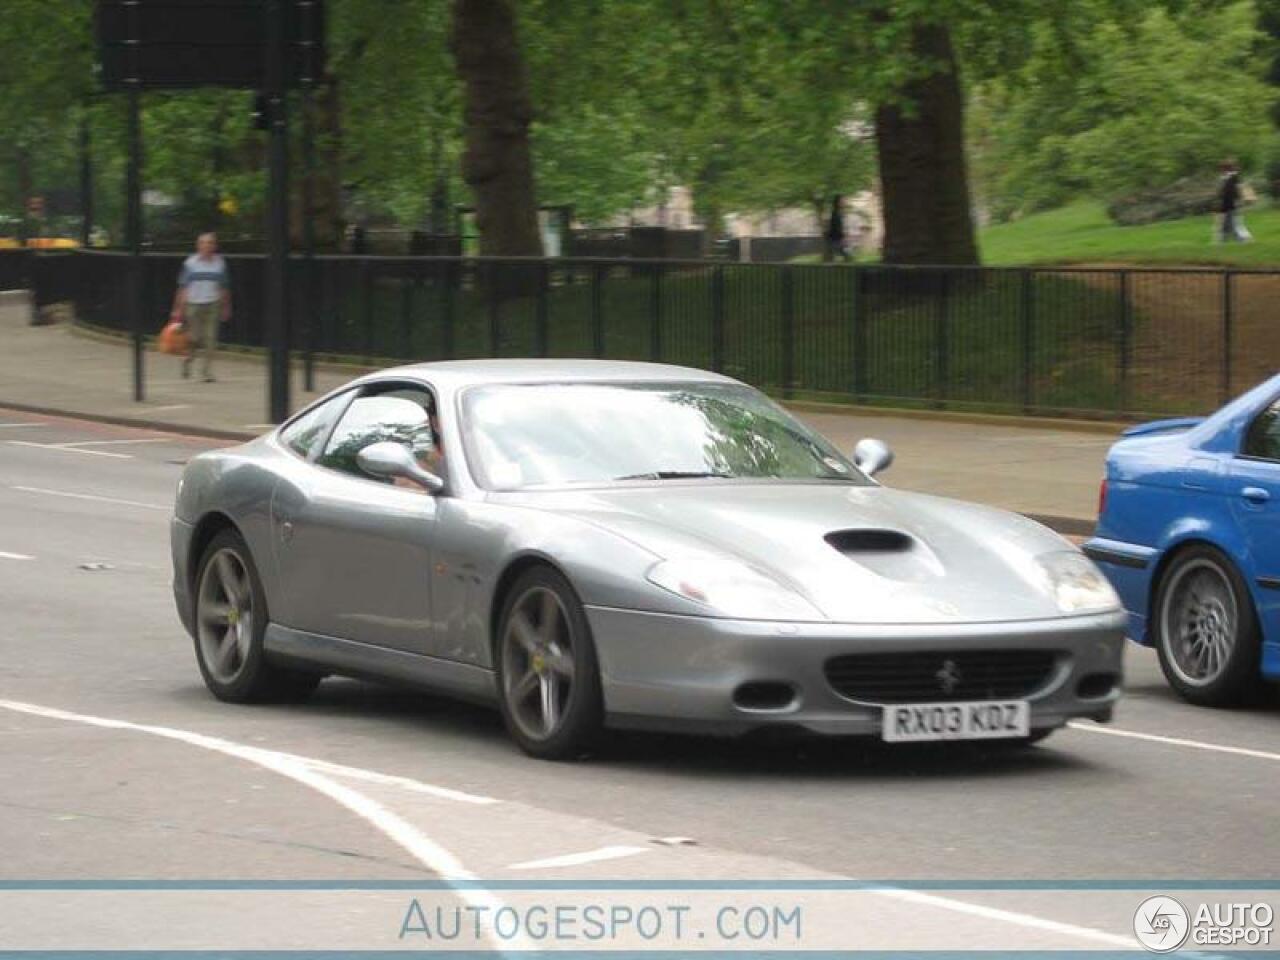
<point>230,622</point>
<point>548,677</point>
<point>1206,630</point>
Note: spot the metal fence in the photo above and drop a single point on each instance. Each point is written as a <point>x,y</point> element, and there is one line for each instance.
<point>1093,342</point>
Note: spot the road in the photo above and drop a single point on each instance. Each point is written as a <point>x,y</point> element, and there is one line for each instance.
<point>426,786</point>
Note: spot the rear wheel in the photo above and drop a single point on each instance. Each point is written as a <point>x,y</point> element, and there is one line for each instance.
<point>548,677</point>
<point>230,621</point>
<point>1206,630</point>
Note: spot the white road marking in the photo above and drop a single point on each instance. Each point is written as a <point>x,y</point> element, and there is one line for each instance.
<point>102,443</point>
<point>1174,741</point>
<point>408,837</point>
<point>90,496</point>
<point>14,556</point>
<point>63,449</point>
<point>574,859</point>
<point>1014,917</point>
<point>439,860</point>
<point>389,780</point>
<point>171,406</point>
<point>259,426</point>
<point>14,426</point>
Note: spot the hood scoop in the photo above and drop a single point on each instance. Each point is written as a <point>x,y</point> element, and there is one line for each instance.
<point>851,542</point>
<point>890,554</point>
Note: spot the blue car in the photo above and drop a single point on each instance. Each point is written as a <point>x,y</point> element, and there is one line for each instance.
<point>1189,535</point>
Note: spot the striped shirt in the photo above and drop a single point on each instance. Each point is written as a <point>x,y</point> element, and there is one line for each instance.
<point>204,279</point>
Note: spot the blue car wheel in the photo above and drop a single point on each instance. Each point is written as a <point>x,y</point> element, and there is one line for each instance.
<point>1206,629</point>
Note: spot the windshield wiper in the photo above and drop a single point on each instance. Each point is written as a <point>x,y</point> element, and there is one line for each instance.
<point>675,475</point>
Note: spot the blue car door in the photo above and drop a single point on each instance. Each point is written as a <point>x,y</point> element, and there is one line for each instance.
<point>1255,493</point>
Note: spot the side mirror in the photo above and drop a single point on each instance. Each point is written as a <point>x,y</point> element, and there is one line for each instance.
<point>872,456</point>
<point>387,460</point>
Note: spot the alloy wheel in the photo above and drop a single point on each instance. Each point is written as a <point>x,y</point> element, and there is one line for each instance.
<point>538,663</point>
<point>224,615</point>
<point>1199,622</point>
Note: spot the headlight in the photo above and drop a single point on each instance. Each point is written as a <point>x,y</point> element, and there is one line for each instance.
<point>1075,583</point>
<point>732,589</point>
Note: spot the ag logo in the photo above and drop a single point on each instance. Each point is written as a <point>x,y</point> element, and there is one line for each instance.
<point>1161,924</point>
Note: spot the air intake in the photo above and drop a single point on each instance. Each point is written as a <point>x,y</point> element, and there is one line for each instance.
<point>869,541</point>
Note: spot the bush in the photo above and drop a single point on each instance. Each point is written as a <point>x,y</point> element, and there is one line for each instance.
<point>1187,197</point>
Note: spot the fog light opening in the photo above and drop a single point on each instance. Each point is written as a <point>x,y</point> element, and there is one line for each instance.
<point>764,695</point>
<point>1094,686</point>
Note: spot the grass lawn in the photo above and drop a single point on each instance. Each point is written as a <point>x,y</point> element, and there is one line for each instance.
<point>1082,233</point>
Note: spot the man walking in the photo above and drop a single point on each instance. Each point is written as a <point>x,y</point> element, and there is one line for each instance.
<point>1233,227</point>
<point>203,301</point>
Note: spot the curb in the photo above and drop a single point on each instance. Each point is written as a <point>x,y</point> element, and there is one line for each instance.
<point>1067,526</point>
<point>142,423</point>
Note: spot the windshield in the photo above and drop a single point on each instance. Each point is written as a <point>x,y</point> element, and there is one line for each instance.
<point>555,435</point>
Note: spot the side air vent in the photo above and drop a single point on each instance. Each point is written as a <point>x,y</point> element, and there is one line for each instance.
<point>869,541</point>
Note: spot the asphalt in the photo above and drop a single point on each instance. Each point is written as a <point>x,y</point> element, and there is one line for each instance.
<point>1169,792</point>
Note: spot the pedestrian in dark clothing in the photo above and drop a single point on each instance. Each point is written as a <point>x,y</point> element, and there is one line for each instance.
<point>836,243</point>
<point>1232,226</point>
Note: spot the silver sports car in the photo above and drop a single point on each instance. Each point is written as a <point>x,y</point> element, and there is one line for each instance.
<point>596,544</point>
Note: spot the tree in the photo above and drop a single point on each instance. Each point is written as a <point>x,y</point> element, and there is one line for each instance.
<point>924,176</point>
<point>496,162</point>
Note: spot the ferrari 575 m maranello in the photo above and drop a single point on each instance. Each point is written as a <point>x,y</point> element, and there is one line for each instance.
<point>593,544</point>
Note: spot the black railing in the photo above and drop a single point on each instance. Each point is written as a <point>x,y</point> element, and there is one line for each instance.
<point>1092,342</point>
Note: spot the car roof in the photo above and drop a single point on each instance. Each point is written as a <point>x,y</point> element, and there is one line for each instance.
<point>453,375</point>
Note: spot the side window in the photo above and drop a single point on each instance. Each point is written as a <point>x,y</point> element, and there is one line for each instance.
<point>304,435</point>
<point>1263,438</point>
<point>401,414</point>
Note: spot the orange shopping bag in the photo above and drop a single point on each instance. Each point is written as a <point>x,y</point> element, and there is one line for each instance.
<point>174,340</point>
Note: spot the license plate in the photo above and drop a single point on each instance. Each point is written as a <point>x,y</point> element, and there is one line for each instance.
<point>986,720</point>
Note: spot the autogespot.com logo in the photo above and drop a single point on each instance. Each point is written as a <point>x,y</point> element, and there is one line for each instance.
<point>1161,924</point>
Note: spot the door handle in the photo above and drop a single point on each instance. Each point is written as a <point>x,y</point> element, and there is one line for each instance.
<point>1255,494</point>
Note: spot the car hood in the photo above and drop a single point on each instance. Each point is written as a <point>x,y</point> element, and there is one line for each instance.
<point>865,554</point>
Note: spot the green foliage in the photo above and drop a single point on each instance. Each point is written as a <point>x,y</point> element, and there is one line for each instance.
<point>400,104</point>
<point>1127,106</point>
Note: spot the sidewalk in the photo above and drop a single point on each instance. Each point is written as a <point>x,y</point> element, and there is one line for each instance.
<point>1045,471</point>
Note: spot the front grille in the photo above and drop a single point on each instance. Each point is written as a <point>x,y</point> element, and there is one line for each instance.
<point>925,677</point>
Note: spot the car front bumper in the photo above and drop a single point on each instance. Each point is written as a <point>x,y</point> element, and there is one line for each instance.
<point>661,671</point>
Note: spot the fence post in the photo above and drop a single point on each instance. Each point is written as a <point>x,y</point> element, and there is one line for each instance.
<point>1028,339</point>
<point>858,329</point>
<point>941,360</point>
<point>542,321</point>
<point>655,312</point>
<point>717,318</point>
<point>406,315</point>
<point>597,311</point>
<point>1228,312</point>
<point>366,288</point>
<point>447,281</point>
<point>311,320</point>
<point>788,332</point>
<point>495,308</point>
<point>1126,322</point>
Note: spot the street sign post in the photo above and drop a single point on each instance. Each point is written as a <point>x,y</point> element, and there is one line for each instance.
<point>268,45</point>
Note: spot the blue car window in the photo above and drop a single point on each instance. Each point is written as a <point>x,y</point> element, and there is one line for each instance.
<point>1263,439</point>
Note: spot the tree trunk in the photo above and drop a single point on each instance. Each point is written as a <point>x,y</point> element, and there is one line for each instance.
<point>496,162</point>
<point>923,174</point>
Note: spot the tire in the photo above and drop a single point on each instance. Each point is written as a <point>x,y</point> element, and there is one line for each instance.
<point>1206,630</point>
<point>229,645</point>
<point>547,674</point>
